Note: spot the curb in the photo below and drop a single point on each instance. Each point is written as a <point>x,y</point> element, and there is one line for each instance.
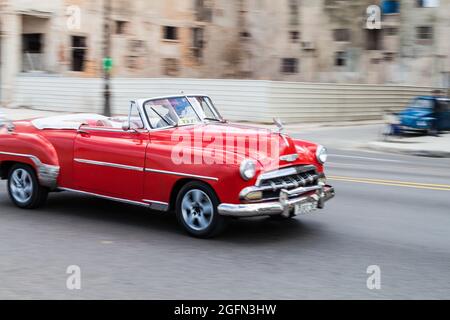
<point>385,147</point>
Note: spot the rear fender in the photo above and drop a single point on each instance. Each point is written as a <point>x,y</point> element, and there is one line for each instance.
<point>34,150</point>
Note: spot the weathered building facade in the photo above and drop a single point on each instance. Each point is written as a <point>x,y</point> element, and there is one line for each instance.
<point>291,40</point>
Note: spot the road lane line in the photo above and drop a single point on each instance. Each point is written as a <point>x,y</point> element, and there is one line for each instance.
<point>429,186</point>
<point>365,158</point>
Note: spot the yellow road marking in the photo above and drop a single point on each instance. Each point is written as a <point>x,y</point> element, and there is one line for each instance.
<point>429,186</point>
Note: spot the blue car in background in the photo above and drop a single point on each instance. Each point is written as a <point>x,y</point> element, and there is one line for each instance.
<point>426,113</point>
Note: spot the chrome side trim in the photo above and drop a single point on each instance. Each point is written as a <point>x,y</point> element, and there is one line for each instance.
<point>157,205</point>
<point>182,174</point>
<point>106,197</point>
<point>82,129</point>
<point>283,172</point>
<point>35,159</point>
<point>108,164</point>
<point>47,174</point>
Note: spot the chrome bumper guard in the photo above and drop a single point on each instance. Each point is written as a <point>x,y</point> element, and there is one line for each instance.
<point>284,206</point>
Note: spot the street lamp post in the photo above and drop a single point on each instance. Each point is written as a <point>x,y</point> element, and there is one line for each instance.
<point>107,57</point>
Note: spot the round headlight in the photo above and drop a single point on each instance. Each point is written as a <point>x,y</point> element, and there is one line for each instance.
<point>247,169</point>
<point>321,154</point>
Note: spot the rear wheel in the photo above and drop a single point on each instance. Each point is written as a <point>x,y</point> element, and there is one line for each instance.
<point>24,189</point>
<point>196,210</point>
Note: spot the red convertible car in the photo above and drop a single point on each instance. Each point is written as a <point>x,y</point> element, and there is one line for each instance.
<point>174,154</point>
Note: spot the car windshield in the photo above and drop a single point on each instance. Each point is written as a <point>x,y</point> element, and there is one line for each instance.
<point>205,108</point>
<point>422,104</point>
<point>179,111</point>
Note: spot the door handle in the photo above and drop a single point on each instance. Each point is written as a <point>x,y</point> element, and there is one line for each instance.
<point>83,132</point>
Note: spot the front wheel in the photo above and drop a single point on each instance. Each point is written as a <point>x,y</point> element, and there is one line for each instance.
<point>196,210</point>
<point>24,189</point>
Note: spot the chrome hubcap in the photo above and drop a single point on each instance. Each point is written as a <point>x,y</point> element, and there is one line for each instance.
<point>197,209</point>
<point>21,185</point>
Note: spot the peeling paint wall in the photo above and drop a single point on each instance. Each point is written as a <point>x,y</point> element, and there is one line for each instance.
<point>241,39</point>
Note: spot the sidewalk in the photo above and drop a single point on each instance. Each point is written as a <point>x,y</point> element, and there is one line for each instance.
<point>427,146</point>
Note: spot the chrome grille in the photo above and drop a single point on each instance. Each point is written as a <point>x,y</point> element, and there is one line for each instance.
<point>304,179</point>
<point>290,178</point>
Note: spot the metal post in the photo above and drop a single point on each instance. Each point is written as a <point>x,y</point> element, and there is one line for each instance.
<point>106,55</point>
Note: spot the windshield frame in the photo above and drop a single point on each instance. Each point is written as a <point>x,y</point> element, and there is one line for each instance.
<point>146,106</point>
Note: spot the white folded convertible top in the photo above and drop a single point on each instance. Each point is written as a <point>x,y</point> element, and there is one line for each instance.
<point>70,121</point>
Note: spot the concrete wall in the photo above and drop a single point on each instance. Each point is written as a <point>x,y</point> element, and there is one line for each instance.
<point>249,100</point>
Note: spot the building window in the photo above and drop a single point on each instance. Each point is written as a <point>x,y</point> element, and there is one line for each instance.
<point>121,27</point>
<point>294,36</point>
<point>289,65</point>
<point>32,51</point>
<point>373,39</point>
<point>170,33</point>
<point>79,50</point>
<point>197,42</point>
<point>171,67</point>
<point>342,35</point>
<point>203,11</point>
<point>391,31</point>
<point>427,3</point>
<point>32,43</point>
<point>293,12</point>
<point>389,56</point>
<point>390,7</point>
<point>340,58</point>
<point>424,33</point>
<point>245,35</point>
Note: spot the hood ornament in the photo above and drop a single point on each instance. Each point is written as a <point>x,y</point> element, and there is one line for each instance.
<point>289,157</point>
<point>279,124</point>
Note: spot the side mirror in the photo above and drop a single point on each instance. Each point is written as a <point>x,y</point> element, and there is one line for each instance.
<point>126,126</point>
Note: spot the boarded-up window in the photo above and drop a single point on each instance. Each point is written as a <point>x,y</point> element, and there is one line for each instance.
<point>197,42</point>
<point>294,12</point>
<point>203,10</point>
<point>171,67</point>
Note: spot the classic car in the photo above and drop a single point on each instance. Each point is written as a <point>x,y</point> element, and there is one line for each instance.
<point>173,154</point>
<point>426,113</point>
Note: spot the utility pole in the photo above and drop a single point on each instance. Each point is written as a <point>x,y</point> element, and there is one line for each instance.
<point>107,63</point>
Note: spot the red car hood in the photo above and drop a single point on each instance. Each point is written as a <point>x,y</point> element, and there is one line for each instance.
<point>258,144</point>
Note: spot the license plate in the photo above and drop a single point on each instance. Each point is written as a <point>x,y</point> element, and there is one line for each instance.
<point>305,208</point>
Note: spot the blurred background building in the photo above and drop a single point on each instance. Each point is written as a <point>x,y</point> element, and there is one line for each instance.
<point>288,40</point>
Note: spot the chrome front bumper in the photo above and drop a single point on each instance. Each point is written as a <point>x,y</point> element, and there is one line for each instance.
<point>284,206</point>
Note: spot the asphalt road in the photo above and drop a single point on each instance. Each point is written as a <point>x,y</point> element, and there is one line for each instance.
<point>399,221</point>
